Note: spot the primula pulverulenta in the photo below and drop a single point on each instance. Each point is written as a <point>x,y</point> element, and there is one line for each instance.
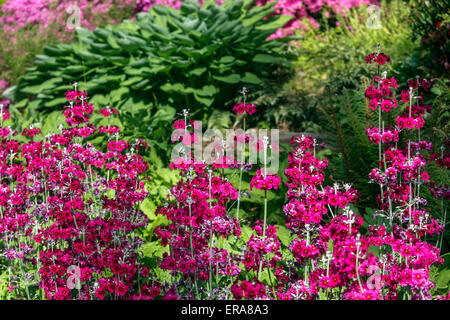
<point>69,211</point>
<point>400,175</point>
<point>328,248</point>
<point>198,221</point>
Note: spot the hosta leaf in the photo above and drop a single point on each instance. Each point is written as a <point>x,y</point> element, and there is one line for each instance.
<point>57,102</point>
<point>112,42</point>
<point>131,81</point>
<point>116,95</point>
<point>443,279</point>
<point>204,100</point>
<point>140,84</point>
<point>75,69</point>
<point>102,33</point>
<point>166,113</point>
<point>197,71</point>
<point>189,7</point>
<point>136,72</point>
<point>226,59</point>
<point>265,58</point>
<point>53,51</point>
<point>257,14</point>
<point>159,29</point>
<point>207,91</point>
<point>43,86</point>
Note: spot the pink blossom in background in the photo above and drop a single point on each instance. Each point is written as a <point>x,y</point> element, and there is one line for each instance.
<point>145,5</point>
<point>4,102</point>
<point>18,14</point>
<point>302,9</point>
<point>3,86</point>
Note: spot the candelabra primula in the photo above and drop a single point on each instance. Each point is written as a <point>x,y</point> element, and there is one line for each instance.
<point>69,210</point>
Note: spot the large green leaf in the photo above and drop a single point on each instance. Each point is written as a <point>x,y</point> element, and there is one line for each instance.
<point>232,78</point>
<point>250,78</point>
<point>278,23</point>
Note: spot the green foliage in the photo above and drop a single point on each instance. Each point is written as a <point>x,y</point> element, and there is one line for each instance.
<point>16,57</point>
<point>346,117</point>
<point>432,25</point>
<point>195,57</point>
<point>331,76</point>
<point>162,179</point>
<point>440,274</point>
<point>1,3</point>
<point>437,131</point>
<point>252,204</point>
<point>335,56</point>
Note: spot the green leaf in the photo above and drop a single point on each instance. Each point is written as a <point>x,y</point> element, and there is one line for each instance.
<point>227,59</point>
<point>111,194</point>
<point>265,58</point>
<point>251,78</point>
<point>208,91</point>
<point>197,71</point>
<point>257,14</point>
<point>57,102</point>
<point>43,86</point>
<point>436,90</point>
<point>278,23</point>
<point>443,279</point>
<point>330,246</point>
<point>52,121</point>
<point>232,78</point>
<point>203,100</point>
<point>131,81</point>
<point>149,208</point>
<point>164,113</point>
<point>284,234</point>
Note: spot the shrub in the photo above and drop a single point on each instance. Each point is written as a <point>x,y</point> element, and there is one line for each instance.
<point>330,56</point>
<point>432,27</point>
<point>193,57</point>
<point>309,10</point>
<point>325,57</point>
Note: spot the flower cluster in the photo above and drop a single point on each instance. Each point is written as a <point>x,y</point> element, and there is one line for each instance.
<point>380,94</point>
<point>305,9</point>
<point>388,135</point>
<point>196,211</point>
<point>69,212</point>
<point>265,181</point>
<point>378,57</point>
<point>400,174</point>
<point>240,108</point>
